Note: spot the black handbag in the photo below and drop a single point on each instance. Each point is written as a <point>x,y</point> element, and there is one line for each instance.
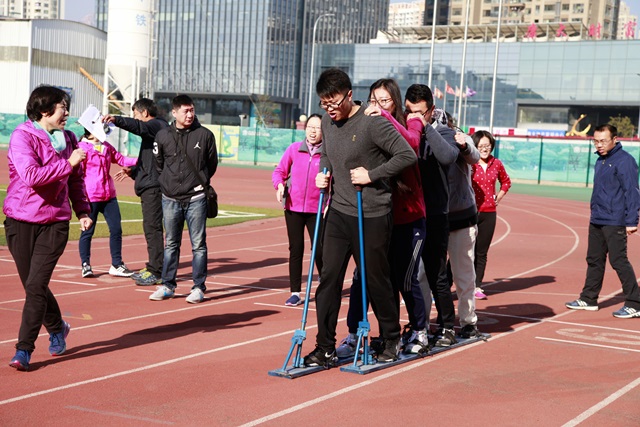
<point>209,192</point>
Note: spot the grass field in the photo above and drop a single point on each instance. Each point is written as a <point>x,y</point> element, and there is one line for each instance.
<point>131,213</point>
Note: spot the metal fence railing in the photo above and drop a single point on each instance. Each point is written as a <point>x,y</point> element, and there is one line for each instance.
<point>539,159</point>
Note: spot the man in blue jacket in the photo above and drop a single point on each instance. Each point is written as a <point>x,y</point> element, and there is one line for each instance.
<point>615,202</point>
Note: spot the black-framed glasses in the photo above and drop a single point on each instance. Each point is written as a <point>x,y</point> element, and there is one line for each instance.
<point>332,105</point>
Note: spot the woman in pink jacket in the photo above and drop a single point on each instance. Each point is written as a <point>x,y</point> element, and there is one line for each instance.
<point>101,191</point>
<point>295,182</point>
<point>44,174</point>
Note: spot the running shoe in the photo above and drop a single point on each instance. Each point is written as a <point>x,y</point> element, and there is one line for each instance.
<point>479,294</point>
<point>581,305</point>
<point>445,338</point>
<point>469,331</point>
<point>138,274</point>
<point>162,292</point>
<point>626,313</point>
<point>21,360</point>
<point>293,301</point>
<point>321,357</point>
<point>120,271</point>
<point>86,270</point>
<point>391,350</point>
<point>195,296</point>
<point>147,278</point>
<point>347,347</point>
<point>58,340</point>
<point>418,342</point>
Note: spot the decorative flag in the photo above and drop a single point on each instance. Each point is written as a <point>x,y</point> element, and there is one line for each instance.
<point>438,93</point>
<point>448,89</point>
<point>457,92</point>
<point>470,92</point>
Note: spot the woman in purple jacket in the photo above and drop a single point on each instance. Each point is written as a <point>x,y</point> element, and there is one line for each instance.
<point>295,182</point>
<point>44,174</point>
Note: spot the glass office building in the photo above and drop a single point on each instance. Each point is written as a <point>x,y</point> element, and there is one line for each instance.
<point>249,58</point>
<point>545,84</point>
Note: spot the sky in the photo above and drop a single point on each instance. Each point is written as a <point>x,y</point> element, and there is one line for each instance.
<point>82,10</point>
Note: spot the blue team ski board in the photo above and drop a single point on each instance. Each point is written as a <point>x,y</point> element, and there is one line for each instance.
<point>292,372</point>
<point>362,369</point>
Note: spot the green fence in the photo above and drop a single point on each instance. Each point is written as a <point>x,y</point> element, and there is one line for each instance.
<point>534,159</point>
<point>552,160</point>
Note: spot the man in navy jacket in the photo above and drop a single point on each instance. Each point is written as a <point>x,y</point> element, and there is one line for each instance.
<point>615,202</point>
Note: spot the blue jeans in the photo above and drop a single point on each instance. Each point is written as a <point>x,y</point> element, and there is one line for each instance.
<point>111,211</point>
<point>175,213</point>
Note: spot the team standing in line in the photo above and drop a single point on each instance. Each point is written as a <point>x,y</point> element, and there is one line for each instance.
<point>427,193</point>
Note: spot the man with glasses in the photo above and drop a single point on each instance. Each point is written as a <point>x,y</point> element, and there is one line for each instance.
<point>361,151</point>
<point>615,202</point>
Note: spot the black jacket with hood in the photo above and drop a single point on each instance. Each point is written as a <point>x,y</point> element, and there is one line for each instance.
<point>171,146</point>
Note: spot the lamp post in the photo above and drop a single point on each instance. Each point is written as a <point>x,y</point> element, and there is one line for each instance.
<point>313,57</point>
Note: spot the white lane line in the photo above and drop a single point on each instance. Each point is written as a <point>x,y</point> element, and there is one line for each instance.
<point>587,344</point>
<point>504,236</point>
<point>160,313</point>
<point>72,293</point>
<point>141,369</point>
<point>603,404</point>
<point>538,320</point>
<point>557,260</point>
<point>338,393</point>
<point>119,415</point>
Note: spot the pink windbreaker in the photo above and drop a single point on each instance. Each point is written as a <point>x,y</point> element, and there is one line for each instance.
<point>297,170</point>
<point>41,181</point>
<point>97,165</point>
<point>408,206</point>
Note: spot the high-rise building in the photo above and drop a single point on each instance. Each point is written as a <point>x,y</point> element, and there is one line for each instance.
<point>601,14</point>
<point>250,57</point>
<point>406,14</point>
<point>42,9</point>
<point>627,23</point>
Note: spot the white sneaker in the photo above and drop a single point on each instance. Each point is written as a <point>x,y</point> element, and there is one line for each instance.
<point>347,347</point>
<point>162,292</point>
<point>120,271</point>
<point>195,296</point>
<point>417,342</point>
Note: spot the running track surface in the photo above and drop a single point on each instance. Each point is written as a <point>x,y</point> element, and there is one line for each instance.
<point>131,361</point>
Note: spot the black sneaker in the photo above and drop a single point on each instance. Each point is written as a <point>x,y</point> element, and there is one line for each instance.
<point>376,344</point>
<point>469,331</point>
<point>391,350</point>
<point>321,357</point>
<point>445,338</point>
<point>86,270</point>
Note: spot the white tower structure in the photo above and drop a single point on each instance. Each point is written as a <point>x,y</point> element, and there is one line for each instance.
<point>129,36</point>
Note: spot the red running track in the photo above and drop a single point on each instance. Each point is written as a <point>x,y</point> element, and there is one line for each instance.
<point>131,361</point>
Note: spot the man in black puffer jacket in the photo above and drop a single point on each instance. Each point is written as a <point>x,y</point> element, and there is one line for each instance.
<point>186,158</point>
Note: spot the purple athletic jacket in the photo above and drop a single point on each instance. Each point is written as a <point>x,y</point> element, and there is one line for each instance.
<point>41,181</point>
<point>297,170</point>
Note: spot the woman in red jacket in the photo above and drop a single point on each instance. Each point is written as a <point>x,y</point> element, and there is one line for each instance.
<point>295,182</point>
<point>485,174</point>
